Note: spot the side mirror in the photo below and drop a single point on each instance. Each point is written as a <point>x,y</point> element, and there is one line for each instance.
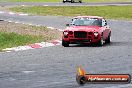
<point>104,24</point>
<point>67,24</point>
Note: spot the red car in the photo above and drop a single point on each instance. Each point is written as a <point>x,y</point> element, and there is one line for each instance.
<point>85,30</point>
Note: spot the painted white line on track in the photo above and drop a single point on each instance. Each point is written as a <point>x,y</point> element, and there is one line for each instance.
<point>45,5</point>
<point>33,46</point>
<point>28,72</point>
<point>1,12</point>
<point>23,14</point>
<point>50,27</point>
<point>23,5</point>
<point>23,23</point>
<point>30,24</point>
<point>22,48</point>
<point>60,29</point>
<point>46,44</point>
<point>8,51</point>
<point>16,22</point>
<point>10,21</point>
<point>11,13</point>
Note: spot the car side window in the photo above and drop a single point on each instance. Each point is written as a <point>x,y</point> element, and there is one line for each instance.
<point>104,23</point>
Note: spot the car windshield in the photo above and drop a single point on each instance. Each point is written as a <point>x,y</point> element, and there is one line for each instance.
<point>86,22</point>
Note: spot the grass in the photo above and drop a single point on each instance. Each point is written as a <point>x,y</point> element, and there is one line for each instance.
<point>61,0</point>
<point>111,12</point>
<point>12,35</point>
<point>14,39</point>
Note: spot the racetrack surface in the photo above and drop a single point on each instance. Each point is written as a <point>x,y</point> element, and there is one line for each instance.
<point>63,4</point>
<point>50,21</point>
<point>55,67</point>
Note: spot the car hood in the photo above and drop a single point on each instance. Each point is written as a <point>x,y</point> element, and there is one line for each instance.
<point>83,28</point>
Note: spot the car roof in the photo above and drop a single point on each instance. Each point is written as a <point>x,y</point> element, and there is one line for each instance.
<point>98,17</point>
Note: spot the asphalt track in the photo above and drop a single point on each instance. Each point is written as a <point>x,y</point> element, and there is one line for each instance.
<point>63,4</point>
<point>55,67</point>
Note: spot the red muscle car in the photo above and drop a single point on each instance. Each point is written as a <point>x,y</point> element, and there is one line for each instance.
<point>85,30</point>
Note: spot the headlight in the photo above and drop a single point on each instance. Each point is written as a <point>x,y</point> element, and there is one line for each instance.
<point>96,34</point>
<point>65,33</point>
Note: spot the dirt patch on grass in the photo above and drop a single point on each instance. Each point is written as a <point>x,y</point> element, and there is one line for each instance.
<point>30,30</point>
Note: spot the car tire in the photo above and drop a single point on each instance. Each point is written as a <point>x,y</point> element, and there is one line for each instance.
<point>65,44</point>
<point>108,39</point>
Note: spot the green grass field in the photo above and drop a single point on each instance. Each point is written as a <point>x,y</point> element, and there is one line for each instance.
<point>12,35</point>
<point>13,39</point>
<point>111,12</point>
<point>61,0</point>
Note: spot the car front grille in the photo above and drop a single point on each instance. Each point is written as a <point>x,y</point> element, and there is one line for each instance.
<point>80,34</point>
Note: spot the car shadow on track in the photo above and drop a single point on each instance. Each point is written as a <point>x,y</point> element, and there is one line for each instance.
<point>120,43</point>
<point>84,45</point>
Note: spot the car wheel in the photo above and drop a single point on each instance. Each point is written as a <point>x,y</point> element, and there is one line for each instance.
<point>65,44</point>
<point>108,39</point>
<point>101,42</point>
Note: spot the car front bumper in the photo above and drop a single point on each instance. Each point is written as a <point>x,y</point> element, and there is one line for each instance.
<point>81,40</point>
